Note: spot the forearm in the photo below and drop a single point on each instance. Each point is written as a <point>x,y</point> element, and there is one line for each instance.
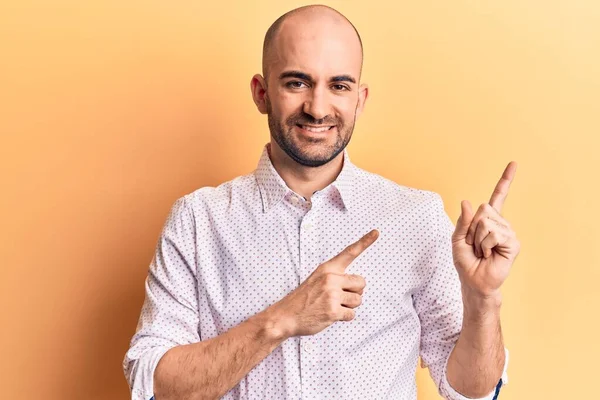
<point>210,368</point>
<point>477,361</point>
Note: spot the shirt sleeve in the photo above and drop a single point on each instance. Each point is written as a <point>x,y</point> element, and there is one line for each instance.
<point>169,315</point>
<point>440,309</point>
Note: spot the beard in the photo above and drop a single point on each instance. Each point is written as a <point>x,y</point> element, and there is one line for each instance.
<point>310,152</point>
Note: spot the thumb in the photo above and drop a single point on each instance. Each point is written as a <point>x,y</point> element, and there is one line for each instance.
<point>464,221</point>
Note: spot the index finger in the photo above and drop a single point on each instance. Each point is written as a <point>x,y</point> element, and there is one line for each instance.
<point>501,189</point>
<point>350,253</point>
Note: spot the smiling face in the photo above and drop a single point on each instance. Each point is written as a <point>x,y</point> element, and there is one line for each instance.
<point>312,94</point>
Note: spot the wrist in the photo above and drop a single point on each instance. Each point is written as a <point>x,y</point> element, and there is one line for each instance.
<point>277,325</point>
<point>481,308</point>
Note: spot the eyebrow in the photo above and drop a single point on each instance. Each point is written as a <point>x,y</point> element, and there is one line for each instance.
<point>307,77</point>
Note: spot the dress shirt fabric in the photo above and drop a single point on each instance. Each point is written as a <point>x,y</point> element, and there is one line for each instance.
<point>226,253</point>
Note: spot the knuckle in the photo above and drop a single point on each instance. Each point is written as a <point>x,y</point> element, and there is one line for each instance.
<point>362,281</point>
<point>331,309</point>
<point>353,300</point>
<point>331,298</point>
<point>329,280</point>
<point>358,280</point>
<point>358,299</point>
<point>487,223</point>
<point>349,315</point>
<point>513,239</point>
<point>325,268</point>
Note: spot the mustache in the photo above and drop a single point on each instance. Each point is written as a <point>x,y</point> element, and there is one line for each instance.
<point>307,119</point>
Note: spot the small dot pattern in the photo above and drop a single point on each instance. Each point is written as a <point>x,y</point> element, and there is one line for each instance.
<point>226,253</point>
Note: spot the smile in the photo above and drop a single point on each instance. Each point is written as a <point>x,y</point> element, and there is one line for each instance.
<point>316,129</point>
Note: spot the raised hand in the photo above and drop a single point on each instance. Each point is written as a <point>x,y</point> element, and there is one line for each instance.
<point>484,246</point>
<point>327,295</point>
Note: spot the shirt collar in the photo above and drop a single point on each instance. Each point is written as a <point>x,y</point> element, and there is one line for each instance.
<point>273,188</point>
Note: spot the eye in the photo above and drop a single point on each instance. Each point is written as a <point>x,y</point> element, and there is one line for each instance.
<point>340,87</point>
<point>294,84</point>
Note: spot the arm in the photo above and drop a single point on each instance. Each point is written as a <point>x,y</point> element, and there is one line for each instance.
<point>209,369</point>
<point>167,352</point>
<point>477,361</point>
<point>445,334</point>
<point>484,248</point>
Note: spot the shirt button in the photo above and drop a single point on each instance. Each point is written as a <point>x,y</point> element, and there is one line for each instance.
<point>308,347</point>
<point>308,227</point>
<point>294,199</point>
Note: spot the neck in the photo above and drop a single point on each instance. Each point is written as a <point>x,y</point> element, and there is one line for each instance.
<point>302,179</point>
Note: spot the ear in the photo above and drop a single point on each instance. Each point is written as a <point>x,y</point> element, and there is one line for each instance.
<point>258,87</point>
<point>363,93</point>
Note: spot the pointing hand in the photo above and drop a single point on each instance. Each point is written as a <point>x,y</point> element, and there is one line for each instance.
<point>484,246</point>
<point>327,295</point>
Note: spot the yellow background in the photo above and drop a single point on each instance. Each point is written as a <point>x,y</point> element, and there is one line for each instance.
<point>110,110</point>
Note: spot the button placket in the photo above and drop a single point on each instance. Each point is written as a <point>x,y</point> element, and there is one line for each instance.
<point>308,356</point>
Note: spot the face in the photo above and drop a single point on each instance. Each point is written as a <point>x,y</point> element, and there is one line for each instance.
<point>312,96</point>
<point>308,139</point>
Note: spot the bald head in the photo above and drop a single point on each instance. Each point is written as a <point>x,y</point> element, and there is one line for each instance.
<point>310,88</point>
<point>313,20</point>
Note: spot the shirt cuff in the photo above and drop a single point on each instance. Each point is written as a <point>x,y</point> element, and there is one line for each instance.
<point>449,393</point>
<point>141,377</point>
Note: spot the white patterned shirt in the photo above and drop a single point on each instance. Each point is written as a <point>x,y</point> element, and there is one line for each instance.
<point>227,253</point>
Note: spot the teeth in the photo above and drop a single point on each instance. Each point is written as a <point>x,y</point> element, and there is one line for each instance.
<point>312,129</point>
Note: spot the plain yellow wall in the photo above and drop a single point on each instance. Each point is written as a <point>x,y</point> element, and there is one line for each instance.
<point>110,110</point>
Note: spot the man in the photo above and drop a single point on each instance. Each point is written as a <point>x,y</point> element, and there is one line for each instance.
<point>259,288</point>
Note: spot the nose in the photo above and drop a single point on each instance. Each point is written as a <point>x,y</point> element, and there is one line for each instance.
<point>317,104</point>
